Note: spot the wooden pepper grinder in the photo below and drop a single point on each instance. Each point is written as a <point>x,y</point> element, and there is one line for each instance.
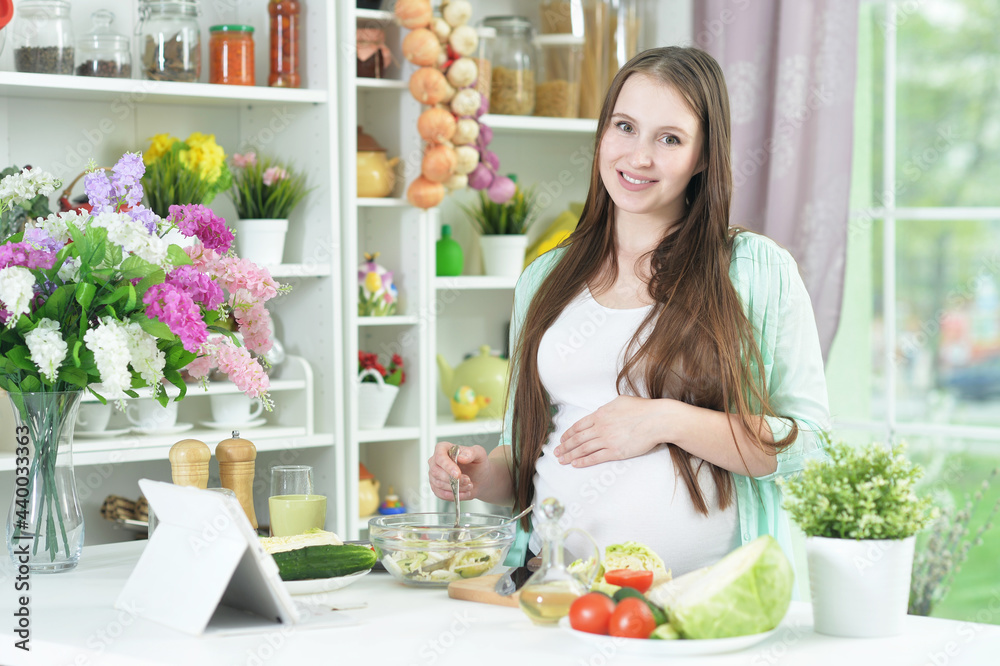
<point>236,468</point>
<point>189,460</point>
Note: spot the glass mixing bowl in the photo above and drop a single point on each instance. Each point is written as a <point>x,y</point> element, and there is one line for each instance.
<point>426,549</point>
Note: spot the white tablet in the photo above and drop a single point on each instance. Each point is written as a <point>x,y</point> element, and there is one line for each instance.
<point>204,560</point>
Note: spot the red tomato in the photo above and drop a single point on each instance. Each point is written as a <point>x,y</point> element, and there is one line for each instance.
<point>591,613</point>
<point>632,619</point>
<point>640,580</point>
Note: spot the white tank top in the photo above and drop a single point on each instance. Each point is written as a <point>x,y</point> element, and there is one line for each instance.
<point>639,499</point>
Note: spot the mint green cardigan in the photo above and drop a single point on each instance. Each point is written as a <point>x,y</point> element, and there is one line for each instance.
<point>777,304</point>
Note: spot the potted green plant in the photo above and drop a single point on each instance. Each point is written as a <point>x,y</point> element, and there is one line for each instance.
<point>860,515</point>
<point>265,192</point>
<point>503,230</point>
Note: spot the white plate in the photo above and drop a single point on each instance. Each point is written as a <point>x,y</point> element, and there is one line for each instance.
<point>170,430</point>
<point>320,585</point>
<point>101,434</point>
<point>215,425</point>
<point>676,648</point>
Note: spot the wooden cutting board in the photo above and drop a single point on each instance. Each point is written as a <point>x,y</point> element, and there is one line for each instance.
<point>481,590</point>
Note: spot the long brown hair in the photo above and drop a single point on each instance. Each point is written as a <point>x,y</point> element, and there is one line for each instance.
<point>700,348</point>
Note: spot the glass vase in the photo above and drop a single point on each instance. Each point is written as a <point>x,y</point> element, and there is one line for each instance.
<point>45,523</point>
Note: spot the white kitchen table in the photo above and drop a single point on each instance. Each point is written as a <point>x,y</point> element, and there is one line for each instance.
<point>74,623</point>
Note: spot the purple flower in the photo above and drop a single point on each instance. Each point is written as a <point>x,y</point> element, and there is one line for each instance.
<point>24,254</point>
<point>199,286</point>
<point>99,191</point>
<point>145,216</point>
<point>198,221</point>
<point>169,304</point>
<point>40,240</point>
<point>127,178</point>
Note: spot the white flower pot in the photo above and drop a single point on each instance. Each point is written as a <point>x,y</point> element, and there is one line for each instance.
<point>261,241</point>
<point>860,589</point>
<point>374,401</point>
<point>503,256</point>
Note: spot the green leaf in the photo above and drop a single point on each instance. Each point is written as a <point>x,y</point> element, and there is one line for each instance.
<point>57,303</point>
<point>136,267</point>
<point>30,383</point>
<point>74,376</point>
<point>85,292</point>
<point>155,328</point>
<point>175,378</point>
<point>21,357</point>
<point>177,256</point>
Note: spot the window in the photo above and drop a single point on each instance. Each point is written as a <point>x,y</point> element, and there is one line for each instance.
<point>917,355</point>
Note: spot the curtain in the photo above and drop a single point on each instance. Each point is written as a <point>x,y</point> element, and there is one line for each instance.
<point>790,68</point>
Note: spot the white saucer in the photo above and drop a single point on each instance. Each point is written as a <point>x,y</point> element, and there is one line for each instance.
<point>170,430</point>
<point>215,425</point>
<point>100,434</point>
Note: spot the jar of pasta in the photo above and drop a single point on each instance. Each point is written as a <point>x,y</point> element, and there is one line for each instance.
<point>484,60</point>
<point>512,87</point>
<point>230,55</point>
<point>285,28</point>
<point>557,89</point>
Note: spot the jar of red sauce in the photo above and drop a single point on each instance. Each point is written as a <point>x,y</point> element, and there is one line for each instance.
<point>230,53</point>
<point>285,27</point>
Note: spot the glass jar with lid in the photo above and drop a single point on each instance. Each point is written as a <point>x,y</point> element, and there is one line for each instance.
<point>512,88</point>
<point>285,28</point>
<point>43,37</point>
<point>103,52</point>
<point>230,55</point>
<point>558,78</point>
<point>170,40</point>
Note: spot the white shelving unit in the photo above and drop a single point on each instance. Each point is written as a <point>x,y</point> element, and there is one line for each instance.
<point>448,315</point>
<point>61,122</point>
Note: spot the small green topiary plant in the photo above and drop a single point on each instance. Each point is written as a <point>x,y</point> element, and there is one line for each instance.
<point>858,493</point>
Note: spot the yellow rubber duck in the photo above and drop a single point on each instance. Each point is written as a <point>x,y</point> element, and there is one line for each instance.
<point>465,404</point>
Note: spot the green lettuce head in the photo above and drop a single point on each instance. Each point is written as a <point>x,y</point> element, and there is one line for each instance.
<point>746,592</point>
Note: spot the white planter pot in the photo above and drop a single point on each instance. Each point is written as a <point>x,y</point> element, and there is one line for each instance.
<point>261,241</point>
<point>859,589</point>
<point>503,256</point>
<point>374,401</point>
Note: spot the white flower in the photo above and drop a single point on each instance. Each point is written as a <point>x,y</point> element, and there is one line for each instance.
<point>70,270</point>
<point>20,187</point>
<point>16,290</point>
<point>146,359</point>
<point>133,237</point>
<point>110,344</point>
<point>55,224</point>
<point>46,346</point>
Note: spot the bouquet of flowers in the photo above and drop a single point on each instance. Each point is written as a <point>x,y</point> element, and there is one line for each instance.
<point>184,172</point>
<point>368,364</point>
<point>265,189</point>
<point>101,298</point>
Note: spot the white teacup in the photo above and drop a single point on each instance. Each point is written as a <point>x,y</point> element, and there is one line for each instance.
<point>147,414</point>
<point>93,417</point>
<point>234,408</point>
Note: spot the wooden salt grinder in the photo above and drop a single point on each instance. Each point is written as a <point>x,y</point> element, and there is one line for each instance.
<point>236,468</point>
<point>189,460</point>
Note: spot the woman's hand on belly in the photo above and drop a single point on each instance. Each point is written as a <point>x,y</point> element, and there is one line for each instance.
<point>624,428</point>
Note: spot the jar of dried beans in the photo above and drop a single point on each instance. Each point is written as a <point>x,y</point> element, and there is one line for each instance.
<point>43,37</point>
<point>285,26</point>
<point>230,55</point>
<point>170,40</point>
<point>103,52</point>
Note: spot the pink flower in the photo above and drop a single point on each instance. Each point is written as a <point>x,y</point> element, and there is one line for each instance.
<point>255,325</point>
<point>273,175</point>
<point>169,304</point>
<point>236,274</point>
<point>242,369</point>
<point>244,160</point>
<point>199,286</point>
<point>198,221</point>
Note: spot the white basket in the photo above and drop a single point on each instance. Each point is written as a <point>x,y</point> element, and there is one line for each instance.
<point>374,401</point>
